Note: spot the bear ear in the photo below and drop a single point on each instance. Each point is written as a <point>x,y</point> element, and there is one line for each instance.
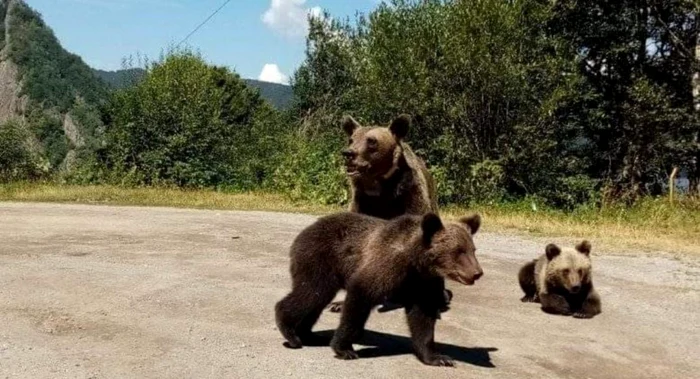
<point>473,222</point>
<point>552,251</point>
<point>584,247</point>
<point>399,127</point>
<point>349,124</point>
<point>430,225</point>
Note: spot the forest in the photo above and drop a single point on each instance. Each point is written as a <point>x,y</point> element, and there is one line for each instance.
<point>568,103</point>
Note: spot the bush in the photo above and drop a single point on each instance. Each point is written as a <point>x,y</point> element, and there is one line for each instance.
<point>311,169</point>
<point>16,160</point>
<point>191,124</point>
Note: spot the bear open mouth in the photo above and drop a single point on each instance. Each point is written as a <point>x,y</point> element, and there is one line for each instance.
<point>353,170</point>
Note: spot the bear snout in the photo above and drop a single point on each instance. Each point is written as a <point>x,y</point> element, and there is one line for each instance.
<point>349,154</point>
<point>575,288</point>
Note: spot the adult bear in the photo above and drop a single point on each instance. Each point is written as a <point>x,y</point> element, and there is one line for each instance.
<point>386,178</point>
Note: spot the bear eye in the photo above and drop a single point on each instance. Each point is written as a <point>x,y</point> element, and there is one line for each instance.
<point>371,143</point>
<point>580,272</point>
<point>566,271</point>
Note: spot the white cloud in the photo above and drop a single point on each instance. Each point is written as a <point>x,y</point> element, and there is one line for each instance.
<point>271,73</point>
<point>289,17</point>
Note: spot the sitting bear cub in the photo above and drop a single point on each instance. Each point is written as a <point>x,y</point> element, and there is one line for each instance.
<point>405,259</point>
<point>561,280</point>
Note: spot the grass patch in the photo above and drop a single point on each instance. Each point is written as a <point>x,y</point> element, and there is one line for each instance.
<point>157,197</point>
<point>651,225</point>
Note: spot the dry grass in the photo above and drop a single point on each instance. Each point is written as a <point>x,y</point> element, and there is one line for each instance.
<point>156,197</point>
<point>652,225</point>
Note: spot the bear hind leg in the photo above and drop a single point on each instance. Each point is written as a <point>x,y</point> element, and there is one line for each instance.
<point>297,313</point>
<point>526,277</point>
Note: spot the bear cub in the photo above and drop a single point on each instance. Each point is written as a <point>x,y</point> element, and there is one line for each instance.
<point>561,280</point>
<point>406,259</point>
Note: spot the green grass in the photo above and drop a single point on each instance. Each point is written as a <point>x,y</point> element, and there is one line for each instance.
<point>651,225</point>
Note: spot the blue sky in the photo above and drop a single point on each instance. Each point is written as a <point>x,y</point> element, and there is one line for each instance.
<point>253,37</point>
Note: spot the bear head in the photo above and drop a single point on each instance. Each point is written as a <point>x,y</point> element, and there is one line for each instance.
<point>374,152</point>
<point>568,268</point>
<point>449,250</point>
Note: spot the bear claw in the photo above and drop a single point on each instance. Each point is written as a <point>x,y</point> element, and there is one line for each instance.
<point>582,315</point>
<point>336,307</point>
<point>440,360</point>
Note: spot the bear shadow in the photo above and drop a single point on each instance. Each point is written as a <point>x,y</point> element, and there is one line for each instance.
<point>386,345</point>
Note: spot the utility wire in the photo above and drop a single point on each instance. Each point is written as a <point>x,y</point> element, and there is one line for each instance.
<point>204,22</point>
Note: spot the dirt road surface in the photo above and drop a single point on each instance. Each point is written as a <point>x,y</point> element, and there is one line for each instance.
<point>126,292</point>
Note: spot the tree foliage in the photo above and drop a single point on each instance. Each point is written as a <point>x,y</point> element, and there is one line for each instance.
<point>16,160</point>
<point>551,99</point>
<point>191,124</point>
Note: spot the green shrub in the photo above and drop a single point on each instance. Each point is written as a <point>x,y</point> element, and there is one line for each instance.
<point>191,124</point>
<point>16,160</point>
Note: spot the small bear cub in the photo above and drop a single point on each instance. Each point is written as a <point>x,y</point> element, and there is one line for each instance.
<point>561,280</point>
<point>405,260</point>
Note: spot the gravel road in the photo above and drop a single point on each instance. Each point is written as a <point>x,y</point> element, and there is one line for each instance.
<point>126,292</point>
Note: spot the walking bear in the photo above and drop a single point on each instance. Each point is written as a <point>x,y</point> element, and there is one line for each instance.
<point>405,259</point>
<point>561,280</point>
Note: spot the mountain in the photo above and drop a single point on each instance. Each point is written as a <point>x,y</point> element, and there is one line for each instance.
<point>48,90</point>
<point>121,78</point>
<point>279,95</point>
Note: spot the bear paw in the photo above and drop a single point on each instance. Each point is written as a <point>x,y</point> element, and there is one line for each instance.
<point>440,360</point>
<point>346,355</point>
<point>293,344</point>
<point>336,307</point>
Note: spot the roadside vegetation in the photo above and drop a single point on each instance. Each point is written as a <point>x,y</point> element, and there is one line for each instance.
<point>557,118</point>
<point>648,225</point>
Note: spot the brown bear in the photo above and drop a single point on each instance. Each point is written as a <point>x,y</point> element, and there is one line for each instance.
<point>386,178</point>
<point>561,280</point>
<point>405,259</point>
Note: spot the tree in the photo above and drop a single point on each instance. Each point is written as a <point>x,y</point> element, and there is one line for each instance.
<point>16,161</point>
<point>190,124</point>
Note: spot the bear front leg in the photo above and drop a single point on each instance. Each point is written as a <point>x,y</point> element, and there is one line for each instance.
<point>590,307</point>
<point>555,304</point>
<point>356,310</point>
<point>422,327</point>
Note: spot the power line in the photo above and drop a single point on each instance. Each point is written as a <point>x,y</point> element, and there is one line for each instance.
<point>204,22</point>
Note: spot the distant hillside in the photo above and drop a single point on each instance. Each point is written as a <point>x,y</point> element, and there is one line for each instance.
<point>279,95</point>
<point>48,90</point>
<point>121,78</point>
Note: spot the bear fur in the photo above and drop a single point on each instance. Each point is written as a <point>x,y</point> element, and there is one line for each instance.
<point>405,259</point>
<point>386,178</point>
<point>561,280</point>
